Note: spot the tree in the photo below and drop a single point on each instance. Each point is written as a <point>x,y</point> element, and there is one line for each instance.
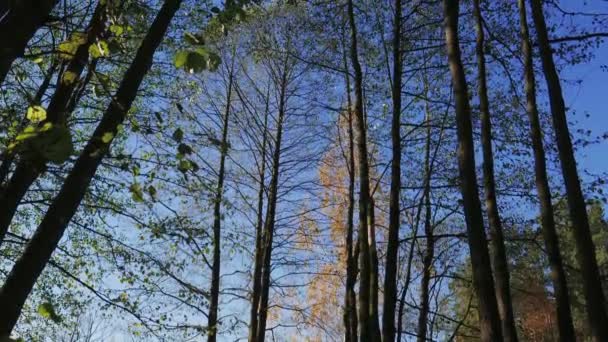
<point>482,271</point>
<point>560,287</point>
<point>594,296</point>
<point>22,19</point>
<point>27,269</point>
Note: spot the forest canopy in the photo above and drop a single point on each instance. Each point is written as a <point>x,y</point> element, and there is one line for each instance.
<point>303,170</point>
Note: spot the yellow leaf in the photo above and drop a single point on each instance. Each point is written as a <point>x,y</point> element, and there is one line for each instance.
<point>107,137</point>
<point>36,114</point>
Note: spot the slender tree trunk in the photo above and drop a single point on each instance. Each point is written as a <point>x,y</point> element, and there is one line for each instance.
<point>489,319</point>
<point>499,255</point>
<point>259,253</point>
<point>558,275</point>
<point>429,255</point>
<point>271,211</point>
<point>366,310</point>
<point>28,170</point>
<point>350,297</point>
<point>592,286</point>
<point>38,251</point>
<point>18,26</point>
<point>374,277</point>
<point>394,220</point>
<point>217,220</point>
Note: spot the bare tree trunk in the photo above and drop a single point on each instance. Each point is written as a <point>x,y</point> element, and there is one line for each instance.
<point>28,170</point>
<point>592,286</point>
<point>565,325</point>
<point>217,219</point>
<point>392,248</point>
<point>271,210</point>
<point>374,276</point>
<point>38,251</point>
<point>489,319</point>
<point>259,253</point>
<point>18,25</point>
<point>350,297</point>
<point>499,255</point>
<point>366,309</point>
<point>427,263</point>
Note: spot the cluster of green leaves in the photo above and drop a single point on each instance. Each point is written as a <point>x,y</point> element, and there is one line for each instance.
<point>43,140</point>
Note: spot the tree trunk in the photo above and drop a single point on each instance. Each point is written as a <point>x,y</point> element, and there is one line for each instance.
<point>366,309</point>
<point>489,319</point>
<point>429,255</point>
<point>350,297</point>
<point>558,276</point>
<point>28,170</point>
<point>394,221</point>
<point>499,255</point>
<point>217,221</point>
<point>271,211</point>
<point>592,286</point>
<point>259,253</point>
<point>18,26</point>
<point>38,251</point>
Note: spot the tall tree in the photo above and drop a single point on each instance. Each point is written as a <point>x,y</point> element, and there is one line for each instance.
<point>281,77</point>
<point>499,256</point>
<point>429,254</point>
<point>558,275</point>
<point>394,221</point>
<point>214,292</point>
<point>594,296</point>
<point>39,249</point>
<point>259,229</point>
<point>32,165</point>
<point>367,311</point>
<point>489,319</point>
<point>18,25</point>
<point>350,297</point>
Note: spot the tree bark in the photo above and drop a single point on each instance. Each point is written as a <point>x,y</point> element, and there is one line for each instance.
<point>38,251</point>
<point>499,255</point>
<point>392,248</point>
<point>366,310</point>
<point>350,297</point>
<point>592,286</point>
<point>18,26</point>
<point>28,170</point>
<point>489,319</point>
<point>565,325</point>
<point>217,220</point>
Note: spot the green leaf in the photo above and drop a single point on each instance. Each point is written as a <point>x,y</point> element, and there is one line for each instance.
<point>107,137</point>
<point>56,144</point>
<point>50,142</point>
<point>184,165</point>
<point>67,49</point>
<point>197,60</point>
<point>136,192</point>
<point>181,59</point>
<point>178,135</point>
<point>152,191</point>
<point>68,77</point>
<point>36,114</point>
<point>99,49</point>
<point>118,30</point>
<point>47,311</point>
